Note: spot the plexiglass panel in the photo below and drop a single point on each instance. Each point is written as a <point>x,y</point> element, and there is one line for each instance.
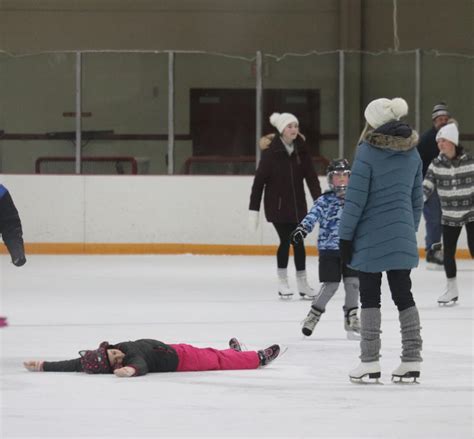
<point>125,113</point>
<point>37,99</point>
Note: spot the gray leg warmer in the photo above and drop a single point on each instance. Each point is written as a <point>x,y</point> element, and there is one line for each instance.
<point>351,286</point>
<point>324,296</point>
<point>370,321</point>
<point>411,338</point>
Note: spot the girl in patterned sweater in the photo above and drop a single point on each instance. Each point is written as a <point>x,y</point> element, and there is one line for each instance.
<point>452,175</point>
<point>327,211</point>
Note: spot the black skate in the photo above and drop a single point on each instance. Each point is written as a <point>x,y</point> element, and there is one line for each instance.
<point>235,344</point>
<point>435,257</point>
<point>3,322</point>
<point>267,355</point>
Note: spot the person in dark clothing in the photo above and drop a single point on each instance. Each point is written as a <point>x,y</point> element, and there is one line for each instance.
<point>428,149</point>
<point>285,165</point>
<point>10,228</point>
<point>12,233</point>
<point>136,358</point>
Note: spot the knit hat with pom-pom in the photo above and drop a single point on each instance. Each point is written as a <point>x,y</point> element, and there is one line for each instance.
<point>281,120</point>
<point>449,132</point>
<point>383,110</point>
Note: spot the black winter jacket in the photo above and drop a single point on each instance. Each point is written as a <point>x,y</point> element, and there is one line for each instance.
<point>282,177</point>
<point>428,148</point>
<point>143,355</point>
<point>10,227</point>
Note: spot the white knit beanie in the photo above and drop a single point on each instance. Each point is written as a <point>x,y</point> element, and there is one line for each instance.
<point>383,110</point>
<point>449,132</point>
<point>281,120</point>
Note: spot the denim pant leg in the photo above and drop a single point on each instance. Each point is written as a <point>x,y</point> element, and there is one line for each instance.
<point>432,214</point>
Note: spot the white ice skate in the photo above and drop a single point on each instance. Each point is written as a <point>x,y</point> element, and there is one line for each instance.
<point>311,321</point>
<point>305,291</point>
<point>407,372</point>
<point>451,294</point>
<point>365,372</point>
<point>284,290</point>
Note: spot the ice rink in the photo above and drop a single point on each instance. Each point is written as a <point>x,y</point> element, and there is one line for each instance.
<point>57,305</point>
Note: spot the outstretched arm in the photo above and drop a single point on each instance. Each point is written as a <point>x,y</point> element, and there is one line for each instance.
<point>53,366</point>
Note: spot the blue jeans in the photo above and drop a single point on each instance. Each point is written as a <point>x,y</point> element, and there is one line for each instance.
<point>432,214</point>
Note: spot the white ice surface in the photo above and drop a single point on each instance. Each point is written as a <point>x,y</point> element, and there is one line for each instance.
<point>57,305</point>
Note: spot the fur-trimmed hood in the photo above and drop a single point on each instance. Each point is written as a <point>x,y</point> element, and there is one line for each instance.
<point>394,135</point>
<point>266,140</point>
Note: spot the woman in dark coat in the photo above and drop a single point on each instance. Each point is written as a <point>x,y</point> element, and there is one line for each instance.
<point>284,166</point>
<point>135,358</point>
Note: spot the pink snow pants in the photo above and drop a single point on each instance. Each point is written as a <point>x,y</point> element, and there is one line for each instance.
<point>196,359</point>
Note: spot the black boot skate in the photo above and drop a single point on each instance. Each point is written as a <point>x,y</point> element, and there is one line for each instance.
<point>235,344</point>
<point>267,355</point>
<point>435,257</point>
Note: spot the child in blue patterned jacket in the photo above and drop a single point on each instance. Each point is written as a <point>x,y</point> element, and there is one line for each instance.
<point>327,210</point>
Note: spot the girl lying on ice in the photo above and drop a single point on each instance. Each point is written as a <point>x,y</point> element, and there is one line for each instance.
<point>135,358</point>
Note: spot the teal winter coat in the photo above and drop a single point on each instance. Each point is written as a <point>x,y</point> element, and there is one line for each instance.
<point>384,201</point>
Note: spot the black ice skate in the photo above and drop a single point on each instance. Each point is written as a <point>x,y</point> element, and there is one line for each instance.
<point>3,322</point>
<point>235,344</point>
<point>435,257</point>
<point>267,355</point>
<point>407,372</point>
<point>352,324</point>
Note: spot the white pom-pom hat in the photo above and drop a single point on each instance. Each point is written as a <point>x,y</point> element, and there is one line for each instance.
<point>449,132</point>
<point>383,110</point>
<point>281,120</point>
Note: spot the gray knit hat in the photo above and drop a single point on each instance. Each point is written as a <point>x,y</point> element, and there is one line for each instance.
<point>440,109</point>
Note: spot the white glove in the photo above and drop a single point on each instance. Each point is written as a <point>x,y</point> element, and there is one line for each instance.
<point>253,219</point>
<point>124,372</point>
<point>34,365</point>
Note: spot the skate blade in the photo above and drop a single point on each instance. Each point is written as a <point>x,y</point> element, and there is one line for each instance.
<point>352,335</point>
<point>304,296</point>
<point>366,379</point>
<point>408,378</point>
<point>448,302</point>
<point>285,296</point>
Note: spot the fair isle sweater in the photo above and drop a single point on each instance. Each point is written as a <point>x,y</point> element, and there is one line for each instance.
<point>454,181</point>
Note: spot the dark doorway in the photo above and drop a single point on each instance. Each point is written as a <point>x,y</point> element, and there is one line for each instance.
<point>223,120</point>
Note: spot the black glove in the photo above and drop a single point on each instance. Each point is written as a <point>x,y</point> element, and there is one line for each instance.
<point>14,242</point>
<point>345,247</point>
<point>298,235</point>
<point>19,261</point>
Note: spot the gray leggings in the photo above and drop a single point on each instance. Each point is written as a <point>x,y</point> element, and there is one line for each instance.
<point>328,289</point>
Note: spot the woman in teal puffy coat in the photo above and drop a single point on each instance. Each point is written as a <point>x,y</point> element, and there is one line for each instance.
<point>384,202</point>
